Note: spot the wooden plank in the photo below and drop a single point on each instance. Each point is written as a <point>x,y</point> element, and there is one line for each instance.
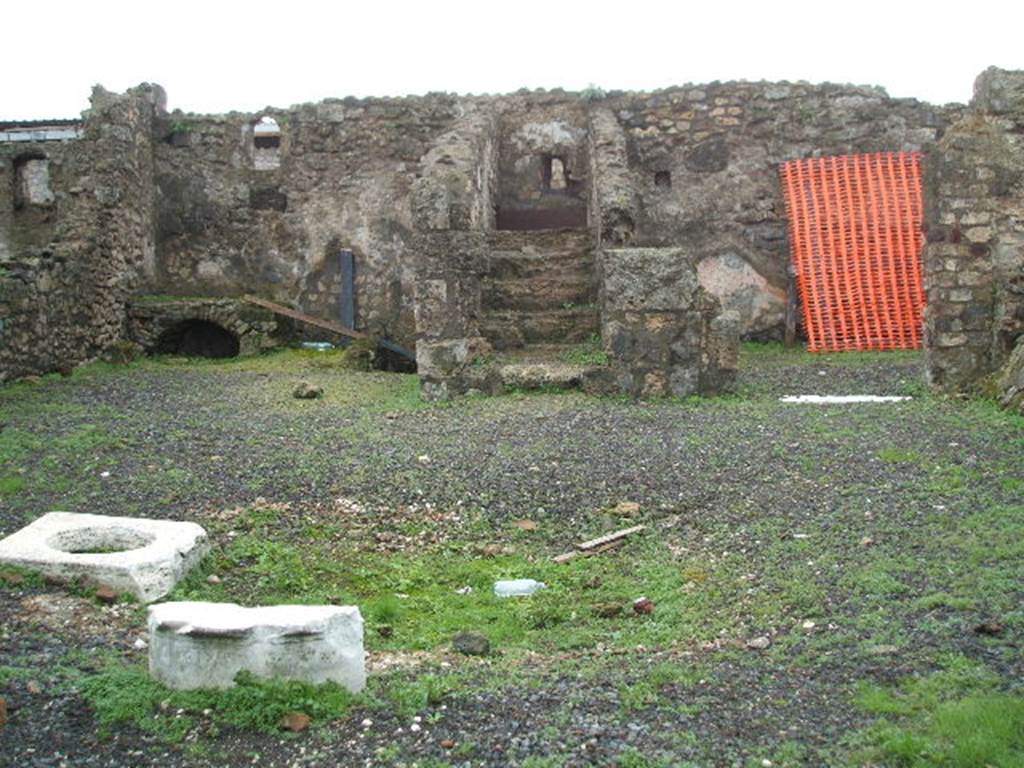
<point>565,557</point>
<point>327,325</point>
<point>609,537</point>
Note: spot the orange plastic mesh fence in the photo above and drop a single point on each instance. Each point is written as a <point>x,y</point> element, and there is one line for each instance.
<point>855,238</point>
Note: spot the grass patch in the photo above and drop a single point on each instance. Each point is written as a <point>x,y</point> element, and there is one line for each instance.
<point>955,717</point>
<point>589,352</point>
<point>976,732</point>
<point>123,693</point>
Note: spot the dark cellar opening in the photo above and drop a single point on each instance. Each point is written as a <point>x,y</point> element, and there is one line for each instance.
<point>197,338</point>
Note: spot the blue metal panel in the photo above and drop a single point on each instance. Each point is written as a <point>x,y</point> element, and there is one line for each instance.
<point>347,304</point>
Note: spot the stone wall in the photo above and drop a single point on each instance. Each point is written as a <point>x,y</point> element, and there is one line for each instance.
<point>221,205</point>
<point>698,167</point>
<point>344,178</point>
<point>691,165</point>
<point>75,224</point>
<point>974,219</point>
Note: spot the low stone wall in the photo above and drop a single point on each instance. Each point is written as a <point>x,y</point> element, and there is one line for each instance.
<point>664,334</point>
<point>254,328</point>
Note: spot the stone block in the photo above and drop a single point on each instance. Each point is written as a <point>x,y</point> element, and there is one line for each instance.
<point>140,556</point>
<point>649,280</point>
<point>1000,92</point>
<point>431,307</point>
<point>204,645</point>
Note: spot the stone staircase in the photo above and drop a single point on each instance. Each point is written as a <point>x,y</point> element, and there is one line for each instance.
<point>541,288</point>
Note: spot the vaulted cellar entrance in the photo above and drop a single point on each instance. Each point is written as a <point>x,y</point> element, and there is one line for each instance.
<point>197,338</point>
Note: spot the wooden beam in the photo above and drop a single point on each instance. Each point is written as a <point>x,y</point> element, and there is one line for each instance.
<point>601,544</point>
<point>327,325</point>
<point>609,537</point>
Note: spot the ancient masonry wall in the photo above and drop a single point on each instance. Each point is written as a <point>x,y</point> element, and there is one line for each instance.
<point>75,222</point>
<point>147,202</point>
<point>694,166</point>
<point>974,256</point>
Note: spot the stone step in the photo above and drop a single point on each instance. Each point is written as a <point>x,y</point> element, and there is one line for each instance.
<point>539,293</point>
<point>551,374</point>
<point>508,329</point>
<point>544,240</point>
<point>542,366</point>
<point>540,271</point>
<point>520,264</point>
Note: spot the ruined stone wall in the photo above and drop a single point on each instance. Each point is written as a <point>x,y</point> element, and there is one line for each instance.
<point>974,218</point>
<point>73,232</point>
<point>230,222</point>
<point>222,205</point>
<point>698,167</point>
<point>693,166</point>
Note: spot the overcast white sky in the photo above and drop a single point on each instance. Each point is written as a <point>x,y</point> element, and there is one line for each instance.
<point>220,55</point>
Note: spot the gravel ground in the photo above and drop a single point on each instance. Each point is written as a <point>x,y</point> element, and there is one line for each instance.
<point>189,441</point>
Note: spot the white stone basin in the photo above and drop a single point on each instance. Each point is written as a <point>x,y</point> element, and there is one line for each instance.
<point>143,557</point>
<point>204,645</point>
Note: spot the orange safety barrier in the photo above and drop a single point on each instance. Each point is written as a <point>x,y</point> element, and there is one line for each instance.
<point>855,239</point>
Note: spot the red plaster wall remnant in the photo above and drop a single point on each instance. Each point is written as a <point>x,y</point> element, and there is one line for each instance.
<point>855,238</point>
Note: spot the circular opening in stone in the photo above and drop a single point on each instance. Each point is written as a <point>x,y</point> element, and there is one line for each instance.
<point>99,541</point>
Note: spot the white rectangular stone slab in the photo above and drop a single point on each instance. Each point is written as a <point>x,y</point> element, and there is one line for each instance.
<point>833,399</point>
<point>204,645</point>
<point>154,556</point>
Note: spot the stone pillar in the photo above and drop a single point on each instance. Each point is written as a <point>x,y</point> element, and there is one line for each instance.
<point>665,335</point>
<point>974,221</point>
<point>447,301</point>
<point>614,202</point>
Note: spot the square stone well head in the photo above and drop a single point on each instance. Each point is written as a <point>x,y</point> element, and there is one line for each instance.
<point>140,556</point>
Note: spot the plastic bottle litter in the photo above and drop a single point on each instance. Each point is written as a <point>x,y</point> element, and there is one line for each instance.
<point>320,346</point>
<point>517,587</point>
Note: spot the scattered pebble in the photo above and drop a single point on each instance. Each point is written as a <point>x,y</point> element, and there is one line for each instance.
<point>471,644</point>
<point>213,578</point>
<point>643,606</point>
<point>759,643</point>
<point>296,722</point>
<point>307,391</point>
<point>991,628</point>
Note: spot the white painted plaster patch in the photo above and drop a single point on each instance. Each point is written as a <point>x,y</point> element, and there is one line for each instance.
<point>839,399</point>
